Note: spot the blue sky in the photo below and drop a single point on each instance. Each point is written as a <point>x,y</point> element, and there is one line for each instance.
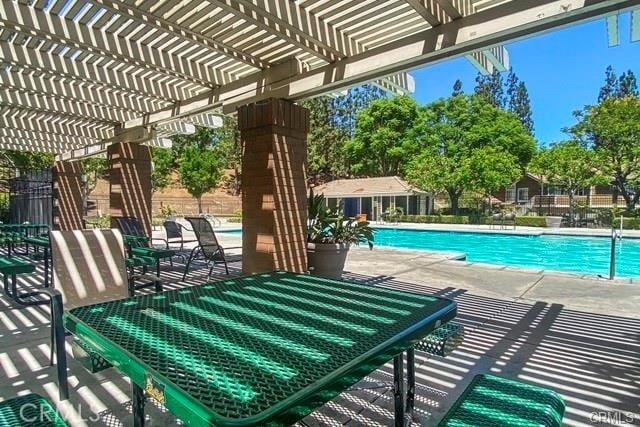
<point>563,70</point>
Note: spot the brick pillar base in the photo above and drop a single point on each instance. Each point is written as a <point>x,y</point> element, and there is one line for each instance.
<point>274,186</point>
<point>130,182</point>
<point>68,200</point>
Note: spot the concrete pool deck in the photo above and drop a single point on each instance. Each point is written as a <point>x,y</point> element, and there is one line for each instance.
<point>579,336</point>
<point>619,297</point>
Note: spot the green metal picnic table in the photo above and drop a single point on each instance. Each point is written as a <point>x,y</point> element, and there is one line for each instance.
<point>261,349</point>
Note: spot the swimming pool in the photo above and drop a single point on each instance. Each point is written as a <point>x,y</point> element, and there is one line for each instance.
<point>588,255</point>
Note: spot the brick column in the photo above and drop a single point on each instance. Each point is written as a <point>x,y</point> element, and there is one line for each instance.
<point>130,182</point>
<point>274,187</point>
<point>68,200</point>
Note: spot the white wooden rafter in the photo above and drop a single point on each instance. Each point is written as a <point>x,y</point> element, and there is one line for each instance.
<point>70,70</point>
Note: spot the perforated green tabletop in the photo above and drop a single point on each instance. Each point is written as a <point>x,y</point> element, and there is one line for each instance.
<point>267,348</point>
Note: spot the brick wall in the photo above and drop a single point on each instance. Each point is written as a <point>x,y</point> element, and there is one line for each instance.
<point>274,194</point>
<point>67,196</point>
<point>130,182</point>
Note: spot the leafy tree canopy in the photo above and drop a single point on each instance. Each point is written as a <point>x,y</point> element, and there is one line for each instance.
<point>200,170</point>
<point>511,95</point>
<point>568,164</point>
<point>469,145</point>
<point>332,123</point>
<point>223,142</point>
<point>614,87</point>
<point>93,168</point>
<point>30,161</point>
<point>386,135</point>
<point>612,129</point>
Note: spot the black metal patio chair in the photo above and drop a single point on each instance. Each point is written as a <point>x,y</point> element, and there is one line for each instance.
<point>208,246</point>
<point>175,233</point>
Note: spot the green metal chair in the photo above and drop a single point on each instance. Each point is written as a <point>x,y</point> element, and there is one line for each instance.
<point>29,410</point>
<point>492,401</point>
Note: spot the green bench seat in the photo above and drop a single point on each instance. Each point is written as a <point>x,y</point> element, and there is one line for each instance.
<point>491,401</point>
<point>155,253</point>
<point>443,340</point>
<point>140,261</point>
<point>30,409</point>
<point>13,266</point>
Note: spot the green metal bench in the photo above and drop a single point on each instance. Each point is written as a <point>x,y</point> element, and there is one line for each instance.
<point>491,401</point>
<point>32,410</point>
<point>10,268</point>
<point>443,340</point>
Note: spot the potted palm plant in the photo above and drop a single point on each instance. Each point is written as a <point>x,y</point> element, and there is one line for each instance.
<point>330,234</point>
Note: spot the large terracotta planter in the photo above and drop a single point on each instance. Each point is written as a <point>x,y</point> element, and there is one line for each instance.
<point>553,221</point>
<point>327,259</point>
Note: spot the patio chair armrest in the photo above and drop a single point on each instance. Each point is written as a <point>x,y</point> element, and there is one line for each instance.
<point>184,227</point>
<point>166,242</point>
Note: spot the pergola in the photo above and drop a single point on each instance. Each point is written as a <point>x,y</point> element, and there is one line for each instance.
<point>80,77</point>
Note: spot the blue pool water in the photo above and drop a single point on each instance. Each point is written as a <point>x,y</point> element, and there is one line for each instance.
<point>588,255</point>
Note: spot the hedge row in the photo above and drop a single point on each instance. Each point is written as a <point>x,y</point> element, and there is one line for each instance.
<point>632,223</point>
<point>523,221</point>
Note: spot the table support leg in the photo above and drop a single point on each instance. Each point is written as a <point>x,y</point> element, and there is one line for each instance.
<point>138,405</point>
<point>399,389</point>
<point>58,340</point>
<point>411,382</point>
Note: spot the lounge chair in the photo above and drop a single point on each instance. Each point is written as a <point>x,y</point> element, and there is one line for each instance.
<point>139,244</point>
<point>174,231</point>
<point>509,220</point>
<point>496,219</point>
<point>208,245</point>
<point>88,267</point>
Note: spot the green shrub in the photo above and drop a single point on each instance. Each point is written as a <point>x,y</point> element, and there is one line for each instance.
<point>98,221</point>
<point>234,219</point>
<point>531,221</point>
<point>629,223</point>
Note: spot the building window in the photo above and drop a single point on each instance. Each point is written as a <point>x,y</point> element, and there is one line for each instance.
<point>510,194</point>
<point>523,194</point>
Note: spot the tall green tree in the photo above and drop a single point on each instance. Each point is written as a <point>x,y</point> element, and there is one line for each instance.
<point>200,170</point>
<point>518,102</point>
<point>325,141</point>
<point>612,129</point>
<point>332,123</point>
<point>570,165</point>
<point>163,166</point>
<point>618,87</point>
<point>224,142</point>
<point>386,136</point>
<point>627,85</point>
<point>491,88</point>
<point>611,84</point>
<point>469,145</point>
<point>346,108</point>
<point>30,161</point>
<point>457,88</point>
